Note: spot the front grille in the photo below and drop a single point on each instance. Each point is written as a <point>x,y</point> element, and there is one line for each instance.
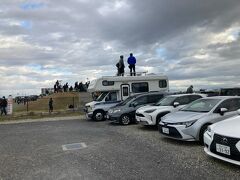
<point>229,141</point>
<point>173,132</point>
<point>140,115</point>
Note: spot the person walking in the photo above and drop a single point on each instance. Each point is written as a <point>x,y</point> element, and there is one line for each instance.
<point>120,65</point>
<point>190,89</point>
<point>132,62</point>
<point>4,106</point>
<point>50,104</point>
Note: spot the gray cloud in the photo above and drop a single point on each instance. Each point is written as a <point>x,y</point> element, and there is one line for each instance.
<point>72,40</point>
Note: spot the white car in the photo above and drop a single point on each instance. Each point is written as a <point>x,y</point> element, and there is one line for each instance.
<point>151,115</point>
<point>222,140</point>
<point>191,122</point>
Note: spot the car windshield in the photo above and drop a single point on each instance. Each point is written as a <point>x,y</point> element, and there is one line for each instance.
<point>167,101</point>
<point>123,103</point>
<point>201,105</point>
<point>102,96</point>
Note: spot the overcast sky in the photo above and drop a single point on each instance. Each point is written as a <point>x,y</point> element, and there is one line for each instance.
<point>191,41</point>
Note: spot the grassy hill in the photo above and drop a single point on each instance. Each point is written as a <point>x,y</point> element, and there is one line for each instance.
<point>61,102</point>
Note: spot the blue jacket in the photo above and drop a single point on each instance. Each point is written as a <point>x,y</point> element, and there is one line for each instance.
<point>131,60</point>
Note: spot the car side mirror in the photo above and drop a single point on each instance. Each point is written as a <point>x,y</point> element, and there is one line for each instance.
<point>176,104</point>
<point>222,111</point>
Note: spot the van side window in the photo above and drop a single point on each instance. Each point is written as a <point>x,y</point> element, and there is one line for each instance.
<point>154,98</point>
<point>107,83</point>
<point>162,83</point>
<point>140,87</point>
<point>111,97</point>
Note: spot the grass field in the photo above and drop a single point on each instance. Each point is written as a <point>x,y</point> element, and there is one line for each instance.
<point>61,102</point>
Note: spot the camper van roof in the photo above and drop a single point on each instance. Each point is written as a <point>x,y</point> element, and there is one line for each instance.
<point>121,78</point>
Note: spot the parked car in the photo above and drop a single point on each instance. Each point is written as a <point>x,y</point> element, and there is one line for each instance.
<point>151,115</point>
<point>192,121</point>
<point>124,112</point>
<point>222,140</point>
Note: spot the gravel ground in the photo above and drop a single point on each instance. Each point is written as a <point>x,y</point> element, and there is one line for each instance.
<point>33,150</point>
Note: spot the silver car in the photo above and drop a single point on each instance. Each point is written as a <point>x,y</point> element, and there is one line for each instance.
<point>191,122</point>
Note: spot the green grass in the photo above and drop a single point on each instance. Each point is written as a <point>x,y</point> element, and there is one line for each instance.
<point>39,108</point>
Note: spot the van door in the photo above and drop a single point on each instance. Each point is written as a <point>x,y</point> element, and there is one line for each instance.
<point>125,91</point>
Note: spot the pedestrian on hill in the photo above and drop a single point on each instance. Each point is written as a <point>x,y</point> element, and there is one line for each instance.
<point>50,104</point>
<point>190,89</point>
<point>120,66</point>
<point>3,106</point>
<point>132,62</point>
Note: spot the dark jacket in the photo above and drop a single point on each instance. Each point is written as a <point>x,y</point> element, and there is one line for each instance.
<point>3,103</point>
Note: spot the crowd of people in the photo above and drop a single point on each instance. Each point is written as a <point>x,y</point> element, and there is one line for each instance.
<point>78,87</point>
<point>131,64</point>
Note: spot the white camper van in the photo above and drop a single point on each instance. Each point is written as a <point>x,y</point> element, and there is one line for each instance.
<point>118,88</point>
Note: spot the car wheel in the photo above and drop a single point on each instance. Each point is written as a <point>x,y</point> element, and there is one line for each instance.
<point>201,133</point>
<point>98,115</point>
<point>125,119</point>
<point>157,121</point>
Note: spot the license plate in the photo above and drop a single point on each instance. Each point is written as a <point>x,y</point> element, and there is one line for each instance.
<point>223,149</point>
<point>165,130</point>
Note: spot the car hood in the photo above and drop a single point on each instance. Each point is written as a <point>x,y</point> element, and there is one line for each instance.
<point>91,103</point>
<point>159,108</point>
<point>229,127</point>
<point>182,116</point>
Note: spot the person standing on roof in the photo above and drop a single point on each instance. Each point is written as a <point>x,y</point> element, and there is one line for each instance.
<point>132,62</point>
<point>120,65</point>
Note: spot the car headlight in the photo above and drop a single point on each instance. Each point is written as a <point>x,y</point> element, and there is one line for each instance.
<point>116,110</point>
<point>150,111</point>
<point>190,123</point>
<point>209,132</point>
<point>187,124</point>
<point>110,111</point>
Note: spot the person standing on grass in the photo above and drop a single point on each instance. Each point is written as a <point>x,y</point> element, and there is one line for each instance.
<point>3,106</point>
<point>50,104</point>
<point>132,62</point>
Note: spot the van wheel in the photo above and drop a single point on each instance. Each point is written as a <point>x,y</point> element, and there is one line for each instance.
<point>98,115</point>
<point>125,119</point>
<point>201,133</point>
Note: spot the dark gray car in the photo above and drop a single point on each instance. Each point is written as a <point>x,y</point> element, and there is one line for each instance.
<point>124,112</point>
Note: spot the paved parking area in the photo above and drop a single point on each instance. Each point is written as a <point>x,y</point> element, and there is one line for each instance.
<point>34,150</point>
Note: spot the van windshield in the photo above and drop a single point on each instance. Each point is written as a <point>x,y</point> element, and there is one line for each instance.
<point>167,101</point>
<point>102,96</point>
